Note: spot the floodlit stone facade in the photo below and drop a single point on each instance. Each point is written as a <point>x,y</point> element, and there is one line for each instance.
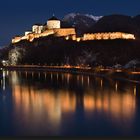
<point>107,36</point>
<point>56,32</point>
<point>27,32</point>
<point>53,27</point>
<point>64,32</point>
<point>16,39</point>
<point>37,28</point>
<point>53,24</point>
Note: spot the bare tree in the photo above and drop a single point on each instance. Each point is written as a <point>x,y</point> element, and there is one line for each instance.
<point>16,55</point>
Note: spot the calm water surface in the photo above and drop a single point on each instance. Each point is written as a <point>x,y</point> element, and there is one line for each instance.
<point>59,104</point>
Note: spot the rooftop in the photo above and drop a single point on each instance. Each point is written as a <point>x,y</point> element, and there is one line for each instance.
<point>53,18</point>
<point>38,24</point>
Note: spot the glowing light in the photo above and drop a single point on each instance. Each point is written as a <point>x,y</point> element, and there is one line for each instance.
<point>101,83</point>
<point>88,80</point>
<point>89,103</point>
<point>55,29</point>
<point>68,78</point>
<point>51,76</point>
<point>118,70</point>
<point>82,80</point>
<point>135,72</point>
<point>116,86</point>
<point>26,73</point>
<point>135,90</point>
<point>57,76</point>
<point>78,39</point>
<point>67,38</point>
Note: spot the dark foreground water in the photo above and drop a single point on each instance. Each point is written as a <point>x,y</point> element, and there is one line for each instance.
<point>56,104</point>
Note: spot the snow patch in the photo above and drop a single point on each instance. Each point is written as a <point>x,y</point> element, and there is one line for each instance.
<point>73,15</point>
<point>96,18</point>
<point>131,64</point>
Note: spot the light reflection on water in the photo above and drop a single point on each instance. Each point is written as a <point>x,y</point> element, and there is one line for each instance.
<point>58,104</point>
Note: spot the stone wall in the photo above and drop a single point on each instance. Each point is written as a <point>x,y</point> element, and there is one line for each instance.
<point>32,36</point>
<point>16,39</point>
<point>69,33</point>
<point>53,24</point>
<point>56,32</point>
<point>106,36</point>
<point>64,32</point>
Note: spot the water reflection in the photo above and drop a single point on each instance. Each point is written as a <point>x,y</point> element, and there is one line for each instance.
<point>47,98</point>
<point>118,105</point>
<point>43,102</point>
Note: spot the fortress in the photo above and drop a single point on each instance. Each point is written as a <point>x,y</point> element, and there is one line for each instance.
<point>53,27</point>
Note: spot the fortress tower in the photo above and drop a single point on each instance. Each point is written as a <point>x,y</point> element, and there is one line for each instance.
<point>53,23</point>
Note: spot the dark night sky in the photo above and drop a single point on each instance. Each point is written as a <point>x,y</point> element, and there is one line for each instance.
<point>16,16</point>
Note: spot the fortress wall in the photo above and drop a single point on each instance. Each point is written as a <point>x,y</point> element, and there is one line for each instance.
<point>88,37</point>
<point>105,36</point>
<point>16,39</point>
<point>128,36</point>
<point>99,36</point>
<point>32,36</point>
<point>70,33</point>
<point>46,33</point>
<point>64,32</point>
<point>25,37</point>
<point>116,35</point>
<point>28,32</point>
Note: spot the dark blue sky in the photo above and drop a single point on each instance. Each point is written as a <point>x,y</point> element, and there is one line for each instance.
<point>16,16</point>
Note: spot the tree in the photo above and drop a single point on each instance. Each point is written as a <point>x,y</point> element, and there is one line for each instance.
<point>16,55</point>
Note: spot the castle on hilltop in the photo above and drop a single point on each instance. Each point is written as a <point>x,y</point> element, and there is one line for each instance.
<point>53,27</point>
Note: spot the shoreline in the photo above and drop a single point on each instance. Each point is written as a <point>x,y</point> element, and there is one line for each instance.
<point>116,74</point>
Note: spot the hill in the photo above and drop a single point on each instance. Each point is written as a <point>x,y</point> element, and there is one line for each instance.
<point>57,51</point>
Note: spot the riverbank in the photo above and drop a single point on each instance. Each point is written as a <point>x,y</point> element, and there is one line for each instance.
<point>118,74</point>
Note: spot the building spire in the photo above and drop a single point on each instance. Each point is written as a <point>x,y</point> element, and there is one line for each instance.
<point>53,15</point>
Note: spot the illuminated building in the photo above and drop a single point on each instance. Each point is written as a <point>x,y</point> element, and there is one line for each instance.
<point>107,36</point>
<point>53,23</point>
<point>53,27</point>
<point>37,28</point>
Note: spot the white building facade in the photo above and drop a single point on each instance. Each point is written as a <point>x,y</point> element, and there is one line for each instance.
<point>37,28</point>
<point>53,23</point>
<point>28,32</point>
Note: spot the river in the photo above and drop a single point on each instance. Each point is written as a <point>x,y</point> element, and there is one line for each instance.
<point>64,104</point>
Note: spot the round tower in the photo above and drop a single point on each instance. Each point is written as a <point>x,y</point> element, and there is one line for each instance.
<point>53,23</point>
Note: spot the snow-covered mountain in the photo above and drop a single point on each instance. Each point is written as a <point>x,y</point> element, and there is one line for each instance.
<point>73,16</point>
<point>96,18</point>
<point>82,22</point>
